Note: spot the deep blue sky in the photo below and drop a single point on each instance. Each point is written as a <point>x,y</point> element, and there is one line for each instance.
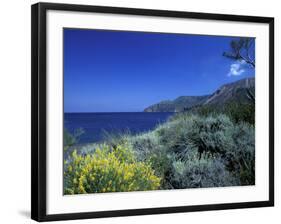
<point>119,71</point>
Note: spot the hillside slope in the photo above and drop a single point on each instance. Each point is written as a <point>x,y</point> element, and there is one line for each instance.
<point>239,91</point>
<point>179,104</point>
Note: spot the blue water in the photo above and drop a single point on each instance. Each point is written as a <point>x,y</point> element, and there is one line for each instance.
<point>96,124</point>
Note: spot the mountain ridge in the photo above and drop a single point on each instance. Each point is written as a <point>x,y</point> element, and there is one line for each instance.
<point>234,91</point>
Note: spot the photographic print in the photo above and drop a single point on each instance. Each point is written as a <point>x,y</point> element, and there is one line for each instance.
<point>157,111</point>
<point>141,111</point>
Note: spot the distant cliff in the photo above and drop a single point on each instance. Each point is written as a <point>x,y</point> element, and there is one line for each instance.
<point>179,104</point>
<point>240,91</point>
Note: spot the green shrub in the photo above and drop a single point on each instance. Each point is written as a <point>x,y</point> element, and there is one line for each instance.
<point>114,139</point>
<point>206,111</point>
<point>236,111</point>
<point>108,170</point>
<point>210,135</point>
<point>240,158</point>
<point>240,112</point>
<point>173,135</point>
<point>207,135</point>
<point>210,138</point>
<point>148,149</point>
<point>194,173</point>
<point>70,139</point>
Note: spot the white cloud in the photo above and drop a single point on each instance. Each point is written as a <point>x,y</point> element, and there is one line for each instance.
<point>236,69</point>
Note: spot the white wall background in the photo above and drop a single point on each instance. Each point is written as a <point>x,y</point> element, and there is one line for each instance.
<point>15,110</point>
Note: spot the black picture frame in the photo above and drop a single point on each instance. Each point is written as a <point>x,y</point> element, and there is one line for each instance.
<point>39,122</point>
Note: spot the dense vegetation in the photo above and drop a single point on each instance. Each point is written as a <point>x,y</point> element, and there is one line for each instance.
<point>237,112</point>
<point>206,147</point>
<point>108,170</point>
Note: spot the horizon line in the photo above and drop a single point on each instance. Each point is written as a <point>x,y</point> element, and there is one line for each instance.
<point>252,76</point>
